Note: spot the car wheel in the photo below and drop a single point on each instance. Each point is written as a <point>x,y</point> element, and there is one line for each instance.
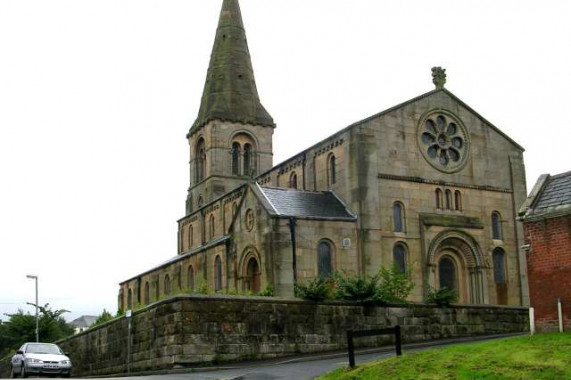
<point>23,373</point>
<point>12,373</point>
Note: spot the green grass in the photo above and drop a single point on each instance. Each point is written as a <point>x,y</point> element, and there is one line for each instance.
<point>545,356</point>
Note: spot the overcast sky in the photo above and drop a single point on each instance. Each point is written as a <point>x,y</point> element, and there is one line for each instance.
<point>96,98</point>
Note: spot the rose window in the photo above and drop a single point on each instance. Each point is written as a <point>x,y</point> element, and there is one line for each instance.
<point>443,141</point>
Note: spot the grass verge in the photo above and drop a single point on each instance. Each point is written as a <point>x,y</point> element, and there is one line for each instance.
<point>545,356</point>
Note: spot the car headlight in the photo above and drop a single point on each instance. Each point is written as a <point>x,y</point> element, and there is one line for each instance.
<point>30,360</point>
<point>65,362</point>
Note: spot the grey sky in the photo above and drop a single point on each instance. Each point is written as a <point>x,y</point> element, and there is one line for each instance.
<point>96,98</point>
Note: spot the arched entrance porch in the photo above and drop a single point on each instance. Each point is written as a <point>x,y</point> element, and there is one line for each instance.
<point>456,261</point>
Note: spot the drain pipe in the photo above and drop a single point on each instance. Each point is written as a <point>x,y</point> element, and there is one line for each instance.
<point>292,224</point>
<point>560,314</point>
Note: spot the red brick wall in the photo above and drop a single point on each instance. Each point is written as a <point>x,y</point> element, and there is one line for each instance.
<point>549,265</point>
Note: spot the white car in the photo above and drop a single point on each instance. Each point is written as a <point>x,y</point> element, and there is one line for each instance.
<point>40,359</point>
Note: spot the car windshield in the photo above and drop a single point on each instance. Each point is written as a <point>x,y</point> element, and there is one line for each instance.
<point>43,349</point>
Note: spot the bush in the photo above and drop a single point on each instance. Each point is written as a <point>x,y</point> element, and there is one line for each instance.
<point>104,317</point>
<point>442,297</point>
<point>316,289</point>
<point>357,288</point>
<point>394,286</point>
<point>267,292</point>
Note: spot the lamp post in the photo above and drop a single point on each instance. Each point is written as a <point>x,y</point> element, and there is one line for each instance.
<point>37,316</point>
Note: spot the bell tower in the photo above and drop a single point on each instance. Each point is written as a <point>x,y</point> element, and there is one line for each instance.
<point>231,139</point>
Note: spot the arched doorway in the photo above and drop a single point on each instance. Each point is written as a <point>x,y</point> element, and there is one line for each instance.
<point>252,280</point>
<point>455,261</point>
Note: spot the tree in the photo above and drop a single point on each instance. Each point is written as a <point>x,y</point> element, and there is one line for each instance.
<point>21,328</point>
<point>104,317</point>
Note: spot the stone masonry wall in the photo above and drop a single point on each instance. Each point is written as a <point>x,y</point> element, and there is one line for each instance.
<point>192,331</point>
<point>549,265</point>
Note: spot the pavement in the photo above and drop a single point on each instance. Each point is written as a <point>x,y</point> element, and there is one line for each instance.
<point>303,367</point>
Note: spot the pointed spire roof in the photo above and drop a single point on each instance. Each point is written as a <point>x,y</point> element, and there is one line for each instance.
<point>230,92</point>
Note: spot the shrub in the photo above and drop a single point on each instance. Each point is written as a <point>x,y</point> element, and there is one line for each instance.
<point>316,289</point>
<point>394,286</point>
<point>442,297</point>
<point>201,287</point>
<point>267,292</point>
<point>356,288</point>
<point>104,317</point>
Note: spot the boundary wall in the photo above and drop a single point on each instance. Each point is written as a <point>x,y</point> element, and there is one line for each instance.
<point>193,331</point>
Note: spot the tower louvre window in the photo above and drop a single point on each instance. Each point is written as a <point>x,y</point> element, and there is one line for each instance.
<point>236,159</point>
<point>247,159</point>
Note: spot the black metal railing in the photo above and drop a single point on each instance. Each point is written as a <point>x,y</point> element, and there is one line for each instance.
<point>396,331</point>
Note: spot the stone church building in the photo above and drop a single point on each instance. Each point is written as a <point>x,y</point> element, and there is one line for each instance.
<point>429,185</point>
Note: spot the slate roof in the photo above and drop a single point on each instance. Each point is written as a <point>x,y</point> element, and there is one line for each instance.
<point>557,192</point>
<point>551,196</point>
<point>306,204</point>
<point>84,321</point>
<point>230,92</point>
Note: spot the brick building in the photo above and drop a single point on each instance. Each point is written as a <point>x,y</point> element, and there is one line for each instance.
<point>429,185</point>
<point>546,215</point>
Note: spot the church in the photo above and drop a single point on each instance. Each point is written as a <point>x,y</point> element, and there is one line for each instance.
<point>429,185</point>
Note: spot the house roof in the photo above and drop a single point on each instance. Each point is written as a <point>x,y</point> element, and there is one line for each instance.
<point>84,321</point>
<point>550,197</point>
<point>305,204</point>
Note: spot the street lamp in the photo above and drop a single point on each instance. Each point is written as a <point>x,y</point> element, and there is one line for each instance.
<point>37,316</point>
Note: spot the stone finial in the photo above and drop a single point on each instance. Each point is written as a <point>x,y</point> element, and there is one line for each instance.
<point>439,77</point>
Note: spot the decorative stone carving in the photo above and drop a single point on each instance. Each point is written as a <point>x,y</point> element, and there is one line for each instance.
<point>443,140</point>
<point>439,77</point>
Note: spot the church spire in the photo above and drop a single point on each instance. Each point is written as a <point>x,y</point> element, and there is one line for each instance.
<point>230,92</point>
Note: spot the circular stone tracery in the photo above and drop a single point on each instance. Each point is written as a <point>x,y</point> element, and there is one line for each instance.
<point>443,140</point>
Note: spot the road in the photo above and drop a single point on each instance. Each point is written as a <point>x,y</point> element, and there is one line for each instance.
<point>272,371</point>
<point>304,368</point>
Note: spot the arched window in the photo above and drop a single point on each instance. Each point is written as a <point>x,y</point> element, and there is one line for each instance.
<point>200,160</point>
<point>496,226</point>
<point>447,273</point>
<point>200,201</point>
<point>236,158</point>
<point>218,274</point>
<point>399,257</point>
<point>234,209</point>
<point>190,237</point>
<point>293,181</point>
<point>247,160</point>
<point>457,201</point>
<point>438,195</point>
<point>324,259</point>
<point>167,287</point>
<point>253,276</point>
<point>212,227</point>
<point>448,199</point>
<point>398,217</point>
<point>332,170</point>
<point>190,278</point>
<point>147,293</point>
<point>498,257</point>
<point>157,290</point>
<point>130,299</point>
